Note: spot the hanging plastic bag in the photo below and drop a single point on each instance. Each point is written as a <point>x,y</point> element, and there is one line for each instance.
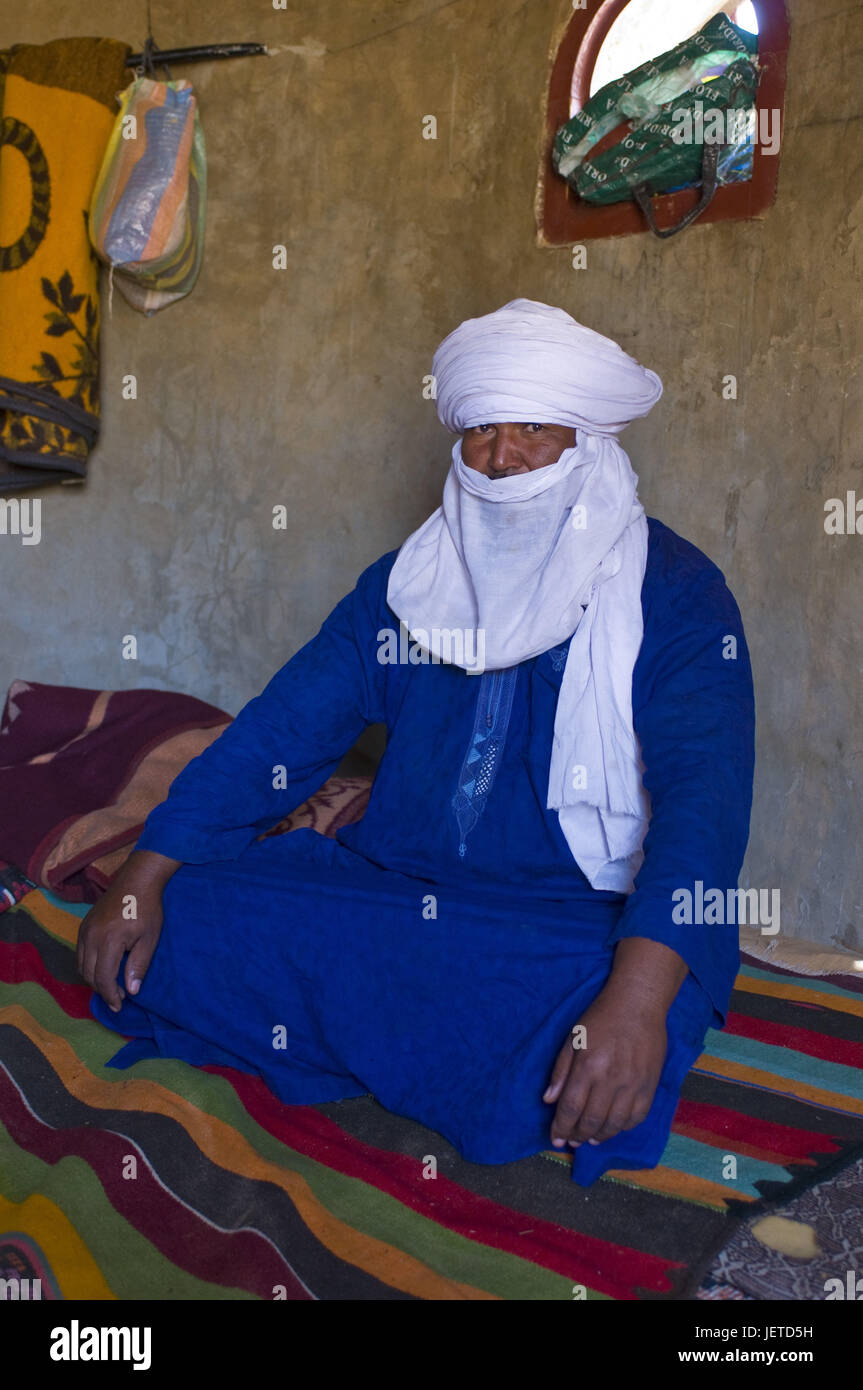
<point>670,145</point>
<point>147,213</point>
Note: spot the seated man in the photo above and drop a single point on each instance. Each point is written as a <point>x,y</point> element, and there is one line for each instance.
<point>495,949</point>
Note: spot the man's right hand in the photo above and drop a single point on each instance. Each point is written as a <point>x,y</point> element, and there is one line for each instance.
<point>127,918</point>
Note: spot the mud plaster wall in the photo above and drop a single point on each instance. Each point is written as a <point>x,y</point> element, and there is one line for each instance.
<point>303,386</point>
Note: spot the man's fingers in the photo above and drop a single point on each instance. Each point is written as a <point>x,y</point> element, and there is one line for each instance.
<point>593,1114</point>
<point>640,1107</point>
<point>81,951</point>
<point>626,1109</point>
<point>619,1116</point>
<point>575,1097</point>
<point>105,973</point>
<point>90,959</point>
<point>139,960</point>
<point>559,1074</point>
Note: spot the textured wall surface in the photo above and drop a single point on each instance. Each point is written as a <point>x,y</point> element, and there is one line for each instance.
<point>303,386</point>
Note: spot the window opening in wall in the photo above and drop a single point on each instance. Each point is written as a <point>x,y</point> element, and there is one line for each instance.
<point>648,27</point>
<point>608,39</point>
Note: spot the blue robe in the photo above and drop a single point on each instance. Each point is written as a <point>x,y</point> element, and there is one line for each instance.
<point>437,953</point>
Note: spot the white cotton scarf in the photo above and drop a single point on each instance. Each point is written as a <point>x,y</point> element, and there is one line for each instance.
<point>518,565</point>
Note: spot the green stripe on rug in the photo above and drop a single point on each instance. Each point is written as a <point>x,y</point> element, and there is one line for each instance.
<point>704,1161</point>
<point>785,1062</point>
<point>805,981</point>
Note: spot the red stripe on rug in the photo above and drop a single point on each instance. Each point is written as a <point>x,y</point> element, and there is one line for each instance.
<point>230,1259</point>
<point>805,1040</point>
<point>20,963</point>
<point>615,1270</point>
<point>734,1127</point>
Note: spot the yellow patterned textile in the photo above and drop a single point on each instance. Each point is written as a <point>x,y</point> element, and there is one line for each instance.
<point>57,106</point>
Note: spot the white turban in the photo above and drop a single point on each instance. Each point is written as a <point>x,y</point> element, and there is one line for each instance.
<point>531,362</point>
<point>519,564</point>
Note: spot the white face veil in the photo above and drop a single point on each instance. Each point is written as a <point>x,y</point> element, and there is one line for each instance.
<point>518,565</point>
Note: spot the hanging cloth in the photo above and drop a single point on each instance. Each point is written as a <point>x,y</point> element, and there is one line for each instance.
<point>57,103</point>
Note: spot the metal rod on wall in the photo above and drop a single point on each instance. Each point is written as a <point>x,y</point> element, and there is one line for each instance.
<point>199,54</point>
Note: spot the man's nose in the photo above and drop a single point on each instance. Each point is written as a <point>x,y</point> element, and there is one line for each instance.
<point>503,453</point>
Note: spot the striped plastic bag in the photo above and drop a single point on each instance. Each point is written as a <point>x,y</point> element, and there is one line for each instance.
<point>147,212</point>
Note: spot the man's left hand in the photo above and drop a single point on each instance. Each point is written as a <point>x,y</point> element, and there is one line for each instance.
<point>607,1085</point>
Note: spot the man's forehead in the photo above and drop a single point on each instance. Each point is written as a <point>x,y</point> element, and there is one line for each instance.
<point>551,424</point>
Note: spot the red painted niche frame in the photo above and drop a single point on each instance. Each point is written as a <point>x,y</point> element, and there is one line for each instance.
<point>566,218</point>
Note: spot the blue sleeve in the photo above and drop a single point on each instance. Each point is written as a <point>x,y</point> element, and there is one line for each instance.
<point>694,714</point>
<point>304,721</point>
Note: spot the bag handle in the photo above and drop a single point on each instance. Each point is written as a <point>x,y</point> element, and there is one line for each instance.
<point>709,162</point>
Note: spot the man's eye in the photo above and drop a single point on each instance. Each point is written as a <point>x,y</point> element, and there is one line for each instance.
<point>536,427</point>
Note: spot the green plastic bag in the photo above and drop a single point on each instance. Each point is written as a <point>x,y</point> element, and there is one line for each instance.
<point>665,99</point>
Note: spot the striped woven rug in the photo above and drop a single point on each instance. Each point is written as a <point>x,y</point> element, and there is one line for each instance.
<point>171,1182</point>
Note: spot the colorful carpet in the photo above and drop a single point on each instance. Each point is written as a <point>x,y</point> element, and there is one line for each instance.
<point>169,1182</point>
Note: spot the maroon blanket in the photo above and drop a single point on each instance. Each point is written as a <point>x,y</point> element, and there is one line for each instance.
<point>80,771</point>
